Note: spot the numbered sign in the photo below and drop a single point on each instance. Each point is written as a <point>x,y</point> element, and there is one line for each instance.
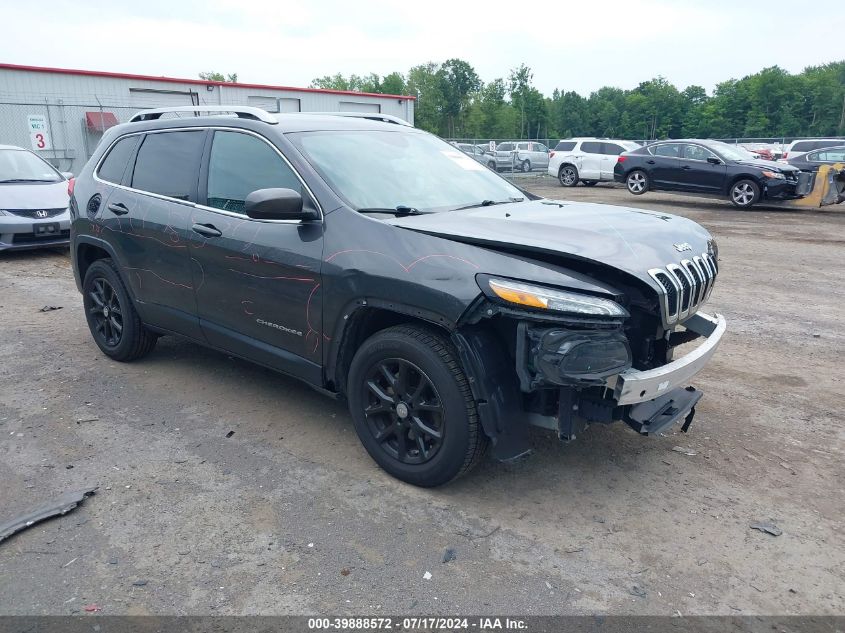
<point>492,146</point>
<point>39,136</point>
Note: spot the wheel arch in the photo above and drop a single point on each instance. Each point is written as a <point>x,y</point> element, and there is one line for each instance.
<point>743,176</point>
<point>87,250</point>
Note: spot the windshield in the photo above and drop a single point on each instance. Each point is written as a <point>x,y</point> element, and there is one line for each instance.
<point>385,169</point>
<point>17,165</point>
<point>731,152</point>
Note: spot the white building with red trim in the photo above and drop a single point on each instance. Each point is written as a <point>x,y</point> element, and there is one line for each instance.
<point>75,107</point>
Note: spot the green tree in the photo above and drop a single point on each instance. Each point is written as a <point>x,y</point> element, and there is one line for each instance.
<point>213,76</point>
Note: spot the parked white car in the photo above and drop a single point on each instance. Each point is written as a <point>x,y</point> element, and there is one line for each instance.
<point>588,160</point>
<point>801,146</point>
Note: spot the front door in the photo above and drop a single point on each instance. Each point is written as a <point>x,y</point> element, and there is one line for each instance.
<point>696,173</point>
<point>257,281</point>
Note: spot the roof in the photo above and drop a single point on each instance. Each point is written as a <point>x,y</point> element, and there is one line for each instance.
<point>203,82</point>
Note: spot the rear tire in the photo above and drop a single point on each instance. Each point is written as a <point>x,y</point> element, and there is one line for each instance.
<point>568,176</point>
<point>744,193</point>
<point>526,166</point>
<point>112,319</point>
<point>412,407</point>
<point>637,182</point>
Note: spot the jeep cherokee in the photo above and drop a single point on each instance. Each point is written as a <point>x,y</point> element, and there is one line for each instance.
<point>379,264</point>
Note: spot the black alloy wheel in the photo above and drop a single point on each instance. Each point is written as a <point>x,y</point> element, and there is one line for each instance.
<point>106,313</point>
<point>404,411</point>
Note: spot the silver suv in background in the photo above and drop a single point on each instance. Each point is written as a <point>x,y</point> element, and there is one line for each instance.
<point>589,160</point>
<point>521,156</point>
<point>477,153</point>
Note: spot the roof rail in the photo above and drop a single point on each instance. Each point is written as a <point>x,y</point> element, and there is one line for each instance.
<point>243,112</point>
<point>374,116</point>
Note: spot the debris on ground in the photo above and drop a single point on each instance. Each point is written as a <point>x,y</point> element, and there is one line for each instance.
<point>345,571</point>
<point>139,583</point>
<point>91,608</point>
<point>684,451</point>
<point>449,555</point>
<point>50,308</point>
<point>427,575</point>
<point>230,434</point>
<point>636,590</point>
<point>62,505</point>
<point>87,418</point>
<point>769,528</point>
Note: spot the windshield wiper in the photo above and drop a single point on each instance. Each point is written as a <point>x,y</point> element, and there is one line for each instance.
<point>27,180</point>
<point>398,210</point>
<point>489,203</point>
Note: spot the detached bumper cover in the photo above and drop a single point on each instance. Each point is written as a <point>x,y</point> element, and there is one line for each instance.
<point>633,386</point>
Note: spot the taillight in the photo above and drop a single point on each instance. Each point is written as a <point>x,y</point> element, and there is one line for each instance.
<point>785,154</point>
<point>621,159</point>
<point>70,184</point>
<point>552,154</point>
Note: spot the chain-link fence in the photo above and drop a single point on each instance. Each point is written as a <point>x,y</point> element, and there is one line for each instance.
<point>64,135</point>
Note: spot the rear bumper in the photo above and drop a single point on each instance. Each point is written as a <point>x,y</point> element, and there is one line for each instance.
<point>634,386</point>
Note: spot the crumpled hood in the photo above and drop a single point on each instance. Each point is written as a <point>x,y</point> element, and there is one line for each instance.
<point>633,240</point>
<point>38,195</point>
<point>767,164</point>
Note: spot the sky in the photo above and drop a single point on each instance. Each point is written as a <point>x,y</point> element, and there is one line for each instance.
<point>571,45</point>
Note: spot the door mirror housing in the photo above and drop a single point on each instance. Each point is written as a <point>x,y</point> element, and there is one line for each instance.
<point>278,204</point>
<point>713,160</point>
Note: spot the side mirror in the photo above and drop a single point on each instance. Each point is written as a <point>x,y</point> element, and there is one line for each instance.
<point>713,160</point>
<point>278,204</point>
<point>67,174</point>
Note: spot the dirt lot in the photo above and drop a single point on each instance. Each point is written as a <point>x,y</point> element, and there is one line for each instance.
<point>289,515</point>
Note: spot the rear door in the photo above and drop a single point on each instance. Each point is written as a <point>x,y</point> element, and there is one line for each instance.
<point>541,155</point>
<point>257,281</point>
<point>146,221</point>
<point>695,173</point>
<point>591,160</point>
<point>610,154</point>
<point>663,165</point>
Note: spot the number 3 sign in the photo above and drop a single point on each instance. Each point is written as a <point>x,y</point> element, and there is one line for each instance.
<point>39,137</point>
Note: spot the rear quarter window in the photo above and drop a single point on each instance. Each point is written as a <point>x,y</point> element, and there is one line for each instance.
<point>565,146</point>
<point>113,167</point>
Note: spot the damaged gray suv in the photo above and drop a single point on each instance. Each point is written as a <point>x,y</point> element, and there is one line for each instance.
<point>380,265</point>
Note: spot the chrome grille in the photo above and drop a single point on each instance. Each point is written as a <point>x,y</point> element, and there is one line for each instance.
<point>34,213</point>
<point>685,286</point>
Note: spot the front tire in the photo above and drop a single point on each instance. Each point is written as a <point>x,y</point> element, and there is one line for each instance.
<point>637,182</point>
<point>568,176</point>
<point>744,194</point>
<point>412,407</point>
<point>112,319</point>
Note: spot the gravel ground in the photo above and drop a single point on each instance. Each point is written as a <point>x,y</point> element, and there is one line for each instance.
<point>228,489</point>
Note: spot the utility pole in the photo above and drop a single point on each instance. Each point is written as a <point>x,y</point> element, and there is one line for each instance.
<point>842,116</point>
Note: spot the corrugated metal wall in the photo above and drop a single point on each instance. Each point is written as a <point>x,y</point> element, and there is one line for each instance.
<point>65,98</point>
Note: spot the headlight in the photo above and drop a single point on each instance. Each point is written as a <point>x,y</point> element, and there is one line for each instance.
<point>556,300</point>
<point>774,174</point>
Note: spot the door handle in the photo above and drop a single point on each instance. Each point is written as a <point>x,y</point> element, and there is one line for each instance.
<point>650,162</point>
<point>118,208</point>
<point>207,230</point>
<point>687,167</point>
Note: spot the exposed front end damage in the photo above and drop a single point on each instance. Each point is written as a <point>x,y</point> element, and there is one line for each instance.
<point>564,373</point>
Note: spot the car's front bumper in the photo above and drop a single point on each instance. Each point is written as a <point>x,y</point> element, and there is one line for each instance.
<point>778,189</point>
<point>634,386</point>
<point>20,233</point>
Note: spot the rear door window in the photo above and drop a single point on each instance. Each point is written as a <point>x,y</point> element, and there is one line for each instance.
<point>591,147</point>
<point>565,146</point>
<point>113,167</point>
<point>669,150</point>
<point>168,164</point>
<point>240,164</point>
<point>828,156</point>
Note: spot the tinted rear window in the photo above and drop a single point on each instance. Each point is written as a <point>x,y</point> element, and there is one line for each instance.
<point>613,149</point>
<point>591,147</point>
<point>114,165</point>
<point>167,163</point>
<point>565,146</point>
